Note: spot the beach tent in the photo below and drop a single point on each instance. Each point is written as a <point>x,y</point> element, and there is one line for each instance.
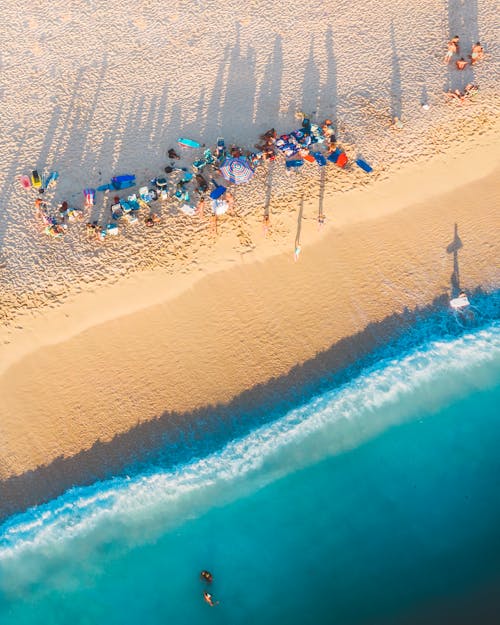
<point>236,170</point>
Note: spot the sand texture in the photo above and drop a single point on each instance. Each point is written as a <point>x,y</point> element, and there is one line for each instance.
<point>108,349</point>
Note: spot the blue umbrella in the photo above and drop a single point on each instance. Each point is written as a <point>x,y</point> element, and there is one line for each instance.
<point>236,170</point>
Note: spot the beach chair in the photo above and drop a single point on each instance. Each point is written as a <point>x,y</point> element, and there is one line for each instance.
<point>116,211</point>
<point>220,149</point>
<point>145,195</point>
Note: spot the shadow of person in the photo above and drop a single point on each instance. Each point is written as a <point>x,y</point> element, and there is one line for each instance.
<point>453,248</point>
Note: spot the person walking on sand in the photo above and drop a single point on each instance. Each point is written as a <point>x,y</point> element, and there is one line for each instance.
<point>461,63</point>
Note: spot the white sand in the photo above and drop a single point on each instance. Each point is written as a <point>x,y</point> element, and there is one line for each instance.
<point>95,89</point>
<point>97,338</point>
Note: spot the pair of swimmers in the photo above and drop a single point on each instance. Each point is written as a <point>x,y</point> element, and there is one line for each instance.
<point>206,576</point>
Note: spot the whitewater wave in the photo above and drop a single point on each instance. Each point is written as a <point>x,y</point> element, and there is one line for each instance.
<point>136,509</point>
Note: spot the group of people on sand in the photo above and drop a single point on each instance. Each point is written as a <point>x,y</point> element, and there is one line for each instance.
<point>453,49</point>
<point>477,54</point>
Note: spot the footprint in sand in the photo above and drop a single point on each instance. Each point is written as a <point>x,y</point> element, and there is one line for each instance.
<point>140,23</point>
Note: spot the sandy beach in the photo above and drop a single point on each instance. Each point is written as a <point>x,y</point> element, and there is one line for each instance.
<point>107,351</point>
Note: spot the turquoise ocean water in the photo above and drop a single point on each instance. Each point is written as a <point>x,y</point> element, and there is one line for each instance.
<point>376,501</point>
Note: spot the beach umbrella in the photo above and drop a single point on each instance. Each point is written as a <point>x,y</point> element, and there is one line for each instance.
<point>236,170</point>
<point>219,207</point>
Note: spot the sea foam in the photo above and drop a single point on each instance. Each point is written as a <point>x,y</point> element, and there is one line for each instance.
<point>134,509</point>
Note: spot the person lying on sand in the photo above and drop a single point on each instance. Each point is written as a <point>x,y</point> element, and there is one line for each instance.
<point>453,48</point>
<point>477,53</point>
<point>173,154</point>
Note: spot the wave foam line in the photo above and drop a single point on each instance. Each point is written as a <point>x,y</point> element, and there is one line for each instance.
<point>165,497</point>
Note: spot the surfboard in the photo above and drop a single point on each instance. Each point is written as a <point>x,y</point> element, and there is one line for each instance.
<point>364,165</point>
<point>188,143</point>
<point>25,181</point>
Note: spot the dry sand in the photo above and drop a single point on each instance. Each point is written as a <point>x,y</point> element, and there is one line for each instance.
<point>113,383</point>
<point>104,349</point>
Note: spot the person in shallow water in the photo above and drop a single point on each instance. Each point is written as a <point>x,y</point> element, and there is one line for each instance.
<point>209,599</point>
<point>206,576</point>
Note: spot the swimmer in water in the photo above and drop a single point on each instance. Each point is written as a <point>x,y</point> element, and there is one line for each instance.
<point>209,599</point>
<point>206,576</point>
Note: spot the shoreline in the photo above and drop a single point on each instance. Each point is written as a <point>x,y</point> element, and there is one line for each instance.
<point>50,325</point>
<point>130,376</point>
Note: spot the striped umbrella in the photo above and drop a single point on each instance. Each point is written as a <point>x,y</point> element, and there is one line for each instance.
<point>236,170</point>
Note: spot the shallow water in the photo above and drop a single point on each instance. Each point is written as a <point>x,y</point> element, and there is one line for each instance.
<point>375,502</point>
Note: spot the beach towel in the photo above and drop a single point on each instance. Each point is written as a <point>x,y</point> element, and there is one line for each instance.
<point>25,181</point>
<point>320,159</point>
<point>123,184</point>
<point>123,178</point>
<point>36,181</point>
<point>364,165</point>
<point>89,195</point>
<point>51,179</point>
<point>218,191</point>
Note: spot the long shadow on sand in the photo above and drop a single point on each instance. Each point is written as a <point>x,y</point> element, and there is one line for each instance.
<point>174,438</point>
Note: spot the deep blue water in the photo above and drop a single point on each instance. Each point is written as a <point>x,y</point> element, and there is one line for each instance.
<point>376,502</point>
